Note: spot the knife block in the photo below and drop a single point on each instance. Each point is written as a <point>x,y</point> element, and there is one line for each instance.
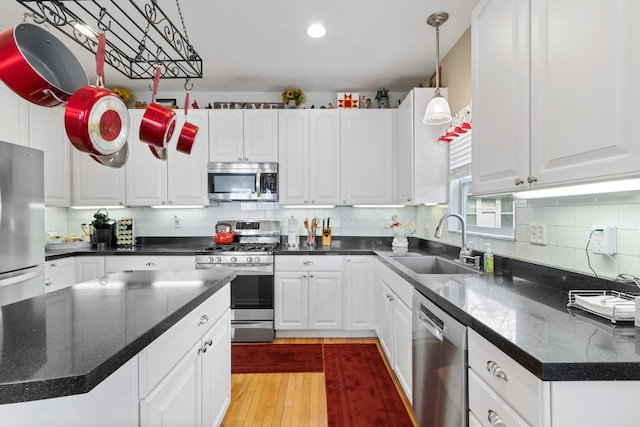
<point>326,236</point>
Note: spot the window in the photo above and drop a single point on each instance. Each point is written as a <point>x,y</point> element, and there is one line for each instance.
<point>488,216</point>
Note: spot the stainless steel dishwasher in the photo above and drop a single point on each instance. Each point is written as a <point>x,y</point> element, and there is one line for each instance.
<point>439,366</point>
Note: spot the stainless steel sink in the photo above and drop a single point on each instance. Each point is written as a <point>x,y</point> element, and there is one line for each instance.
<point>433,265</point>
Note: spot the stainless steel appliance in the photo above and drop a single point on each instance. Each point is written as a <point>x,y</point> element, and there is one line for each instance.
<point>252,290</point>
<point>243,181</point>
<point>21,223</point>
<point>439,366</point>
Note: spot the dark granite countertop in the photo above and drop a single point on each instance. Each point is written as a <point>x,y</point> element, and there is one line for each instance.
<point>521,309</point>
<point>68,341</point>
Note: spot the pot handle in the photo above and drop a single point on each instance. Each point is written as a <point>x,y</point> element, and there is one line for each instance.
<point>102,41</point>
<point>156,83</point>
<point>186,105</point>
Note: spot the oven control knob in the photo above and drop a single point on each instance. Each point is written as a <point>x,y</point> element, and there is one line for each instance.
<point>256,259</point>
<point>218,259</point>
<point>234,259</point>
<point>249,259</point>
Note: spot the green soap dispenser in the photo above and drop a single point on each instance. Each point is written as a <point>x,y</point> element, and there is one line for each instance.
<point>488,259</point>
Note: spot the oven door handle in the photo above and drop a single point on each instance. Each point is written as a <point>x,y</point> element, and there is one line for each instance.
<point>258,181</point>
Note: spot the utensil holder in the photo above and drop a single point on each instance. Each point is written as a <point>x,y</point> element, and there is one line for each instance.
<point>311,237</point>
<point>326,237</point>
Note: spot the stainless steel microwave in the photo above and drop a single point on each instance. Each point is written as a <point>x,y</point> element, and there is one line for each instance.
<point>243,181</point>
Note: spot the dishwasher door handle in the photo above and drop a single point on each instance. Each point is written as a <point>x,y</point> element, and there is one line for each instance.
<point>430,326</point>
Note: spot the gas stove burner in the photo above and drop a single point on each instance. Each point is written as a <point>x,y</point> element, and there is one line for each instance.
<point>239,247</point>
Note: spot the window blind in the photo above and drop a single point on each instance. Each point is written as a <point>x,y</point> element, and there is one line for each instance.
<point>460,156</point>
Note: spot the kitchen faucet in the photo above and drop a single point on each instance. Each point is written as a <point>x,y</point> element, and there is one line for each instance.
<point>465,251</point>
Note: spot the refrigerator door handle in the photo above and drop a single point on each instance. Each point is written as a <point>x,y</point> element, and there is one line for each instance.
<point>28,275</point>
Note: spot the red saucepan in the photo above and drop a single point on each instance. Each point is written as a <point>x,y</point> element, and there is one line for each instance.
<point>188,132</point>
<point>39,67</point>
<point>158,122</point>
<point>95,118</point>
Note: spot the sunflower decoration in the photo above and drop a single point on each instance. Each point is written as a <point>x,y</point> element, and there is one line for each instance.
<point>123,93</point>
<point>293,94</point>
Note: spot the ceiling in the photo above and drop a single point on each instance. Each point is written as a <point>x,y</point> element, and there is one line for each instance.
<point>261,46</point>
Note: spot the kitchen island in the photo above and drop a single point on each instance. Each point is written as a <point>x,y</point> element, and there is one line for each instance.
<point>99,344</point>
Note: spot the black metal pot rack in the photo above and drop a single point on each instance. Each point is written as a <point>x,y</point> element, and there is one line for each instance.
<point>140,36</point>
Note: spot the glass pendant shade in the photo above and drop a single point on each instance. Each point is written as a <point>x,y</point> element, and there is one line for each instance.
<point>438,111</point>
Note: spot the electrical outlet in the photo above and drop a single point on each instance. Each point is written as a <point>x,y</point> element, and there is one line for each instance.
<point>538,234</point>
<point>603,239</point>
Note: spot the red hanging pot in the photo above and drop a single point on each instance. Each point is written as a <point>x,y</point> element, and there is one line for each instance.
<point>39,67</point>
<point>158,121</point>
<point>188,132</point>
<point>95,118</point>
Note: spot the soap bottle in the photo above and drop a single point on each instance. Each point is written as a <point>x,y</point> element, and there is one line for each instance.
<point>488,259</point>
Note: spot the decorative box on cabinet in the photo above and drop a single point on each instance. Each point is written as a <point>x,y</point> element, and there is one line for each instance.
<point>308,292</point>
<point>181,179</point>
<point>309,159</point>
<point>243,135</point>
<point>544,121</point>
<point>423,164</point>
<point>366,156</point>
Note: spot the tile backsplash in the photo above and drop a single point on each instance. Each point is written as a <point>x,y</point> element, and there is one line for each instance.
<point>568,222</point>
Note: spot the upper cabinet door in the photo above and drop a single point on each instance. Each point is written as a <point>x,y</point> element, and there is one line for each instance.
<point>366,160</point>
<point>226,136</point>
<point>260,136</point>
<point>47,133</point>
<point>187,176</point>
<point>15,117</point>
<point>323,164</point>
<point>500,75</point>
<point>293,141</point>
<point>585,92</point>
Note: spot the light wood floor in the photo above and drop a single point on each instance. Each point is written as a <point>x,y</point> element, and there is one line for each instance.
<point>288,399</point>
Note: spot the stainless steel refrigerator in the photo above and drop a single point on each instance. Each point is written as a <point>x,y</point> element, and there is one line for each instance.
<point>21,223</point>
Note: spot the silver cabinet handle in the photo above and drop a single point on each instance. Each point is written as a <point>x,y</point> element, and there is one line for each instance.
<point>246,159</point>
<point>258,181</point>
<point>390,298</point>
<point>518,181</point>
<point>203,349</point>
<point>304,276</point>
<point>203,319</point>
<point>149,264</point>
<point>239,159</point>
<point>47,282</point>
<point>496,370</point>
<point>54,265</point>
<point>311,275</point>
<point>495,419</point>
<point>208,343</point>
<point>307,263</point>
<point>531,179</point>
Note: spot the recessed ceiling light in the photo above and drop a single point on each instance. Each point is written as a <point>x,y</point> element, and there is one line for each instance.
<point>316,31</point>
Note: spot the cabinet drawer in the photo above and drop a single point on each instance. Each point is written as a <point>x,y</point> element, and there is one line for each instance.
<point>521,389</point>
<point>399,286</point>
<point>484,403</point>
<point>309,263</point>
<point>159,357</point>
<point>142,262</point>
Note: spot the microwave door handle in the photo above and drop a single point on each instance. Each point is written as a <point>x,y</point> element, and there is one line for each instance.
<point>258,183</point>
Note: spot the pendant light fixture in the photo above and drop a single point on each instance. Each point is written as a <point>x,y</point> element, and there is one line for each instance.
<point>438,111</point>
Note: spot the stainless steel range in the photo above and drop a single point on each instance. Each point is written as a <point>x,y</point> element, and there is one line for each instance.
<point>251,257</point>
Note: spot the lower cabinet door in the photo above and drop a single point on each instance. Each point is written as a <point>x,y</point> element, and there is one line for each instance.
<point>176,400</point>
<point>216,372</point>
<point>325,300</point>
<point>402,350</point>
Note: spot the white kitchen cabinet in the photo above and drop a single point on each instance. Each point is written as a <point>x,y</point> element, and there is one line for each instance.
<point>93,184</point>
<point>115,263</point>
<point>359,292</point>
<point>392,304</point>
<point>309,159</point>
<point>47,133</point>
<point>14,111</point>
<point>181,179</point>
<point>59,274</point>
<point>185,375</point>
<point>308,293</point>
<point>89,268</point>
<point>546,123</point>
<point>243,135</point>
<point>366,156</point>
<point>423,163</point>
